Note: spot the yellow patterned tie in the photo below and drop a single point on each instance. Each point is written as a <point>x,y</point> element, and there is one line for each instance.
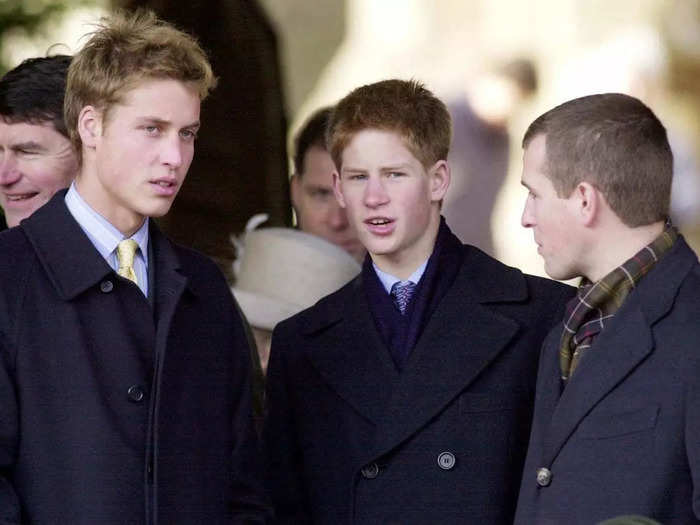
<point>125,255</point>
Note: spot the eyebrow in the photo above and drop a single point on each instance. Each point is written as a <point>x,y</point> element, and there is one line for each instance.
<point>395,167</point>
<point>30,144</point>
<point>352,170</point>
<point>162,122</point>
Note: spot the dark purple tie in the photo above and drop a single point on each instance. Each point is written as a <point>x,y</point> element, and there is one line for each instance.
<point>401,293</point>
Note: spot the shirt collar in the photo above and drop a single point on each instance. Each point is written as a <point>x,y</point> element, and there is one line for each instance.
<point>389,280</point>
<point>103,234</point>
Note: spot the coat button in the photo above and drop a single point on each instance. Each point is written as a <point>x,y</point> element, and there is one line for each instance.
<point>544,477</point>
<point>135,393</point>
<point>370,471</point>
<point>106,286</point>
<point>446,460</point>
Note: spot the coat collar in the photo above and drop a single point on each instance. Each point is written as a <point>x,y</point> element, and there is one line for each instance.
<point>626,342</point>
<point>461,338</point>
<point>71,261</point>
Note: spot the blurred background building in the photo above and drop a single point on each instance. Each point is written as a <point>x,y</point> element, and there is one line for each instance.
<point>279,60</point>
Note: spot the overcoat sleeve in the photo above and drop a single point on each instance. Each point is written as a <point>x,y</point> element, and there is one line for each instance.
<point>282,450</point>
<point>692,424</point>
<point>249,501</point>
<point>9,429</point>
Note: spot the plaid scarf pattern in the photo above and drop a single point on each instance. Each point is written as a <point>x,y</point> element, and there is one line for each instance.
<point>596,303</point>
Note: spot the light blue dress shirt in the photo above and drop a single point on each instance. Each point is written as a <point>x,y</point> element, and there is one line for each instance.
<point>389,280</point>
<point>105,237</point>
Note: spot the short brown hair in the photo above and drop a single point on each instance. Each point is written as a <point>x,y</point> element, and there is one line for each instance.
<point>125,49</point>
<point>614,142</point>
<point>312,134</point>
<point>402,106</point>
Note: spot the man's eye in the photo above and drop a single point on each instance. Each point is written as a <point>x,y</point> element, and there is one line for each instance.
<point>357,176</point>
<point>320,194</point>
<point>188,134</point>
<point>151,130</point>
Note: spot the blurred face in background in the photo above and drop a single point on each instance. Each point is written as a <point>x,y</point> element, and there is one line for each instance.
<point>316,207</point>
<point>35,162</point>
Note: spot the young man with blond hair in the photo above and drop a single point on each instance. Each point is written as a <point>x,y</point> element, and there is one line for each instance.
<point>405,397</point>
<point>124,368</point>
<point>616,428</point>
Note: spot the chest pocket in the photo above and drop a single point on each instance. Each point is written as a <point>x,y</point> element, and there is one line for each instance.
<point>610,424</point>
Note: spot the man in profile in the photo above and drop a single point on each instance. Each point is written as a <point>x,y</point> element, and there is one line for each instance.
<point>316,208</point>
<point>616,428</point>
<point>36,156</point>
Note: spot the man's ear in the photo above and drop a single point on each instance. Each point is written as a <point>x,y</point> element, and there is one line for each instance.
<point>588,202</point>
<point>439,180</point>
<point>337,190</point>
<point>89,126</point>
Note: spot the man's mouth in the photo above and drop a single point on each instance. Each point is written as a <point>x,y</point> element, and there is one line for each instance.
<point>18,197</point>
<point>378,222</point>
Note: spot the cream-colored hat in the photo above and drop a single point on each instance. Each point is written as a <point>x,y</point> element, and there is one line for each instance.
<point>281,271</point>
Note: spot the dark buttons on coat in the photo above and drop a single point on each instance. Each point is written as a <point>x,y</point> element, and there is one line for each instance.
<point>135,393</point>
<point>370,471</point>
<point>446,460</point>
<point>106,286</point>
<point>544,477</point>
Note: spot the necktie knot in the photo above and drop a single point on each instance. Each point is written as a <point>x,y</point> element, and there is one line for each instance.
<point>126,250</point>
<point>401,293</point>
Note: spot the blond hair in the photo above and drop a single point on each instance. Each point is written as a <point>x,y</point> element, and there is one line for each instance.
<point>125,49</point>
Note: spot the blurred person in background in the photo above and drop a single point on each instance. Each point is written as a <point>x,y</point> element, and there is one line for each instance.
<point>315,205</point>
<point>36,155</point>
<point>480,149</point>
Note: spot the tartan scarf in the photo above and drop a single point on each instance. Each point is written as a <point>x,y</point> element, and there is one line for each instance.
<point>595,304</point>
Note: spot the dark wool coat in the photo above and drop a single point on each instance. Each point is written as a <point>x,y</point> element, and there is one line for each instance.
<point>113,410</point>
<point>624,437</point>
<point>350,440</point>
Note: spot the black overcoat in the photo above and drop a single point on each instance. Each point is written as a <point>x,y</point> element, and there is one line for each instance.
<point>113,410</point>
<point>624,436</point>
<point>351,440</point>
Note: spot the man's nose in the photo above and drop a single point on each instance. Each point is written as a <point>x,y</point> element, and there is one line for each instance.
<point>9,171</point>
<point>172,152</point>
<point>527,219</point>
<point>375,193</point>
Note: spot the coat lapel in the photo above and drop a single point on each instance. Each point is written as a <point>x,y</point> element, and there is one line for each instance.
<point>349,353</point>
<point>169,282</point>
<point>613,356</point>
<point>461,339</point>
<point>66,254</point>
<point>621,347</point>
